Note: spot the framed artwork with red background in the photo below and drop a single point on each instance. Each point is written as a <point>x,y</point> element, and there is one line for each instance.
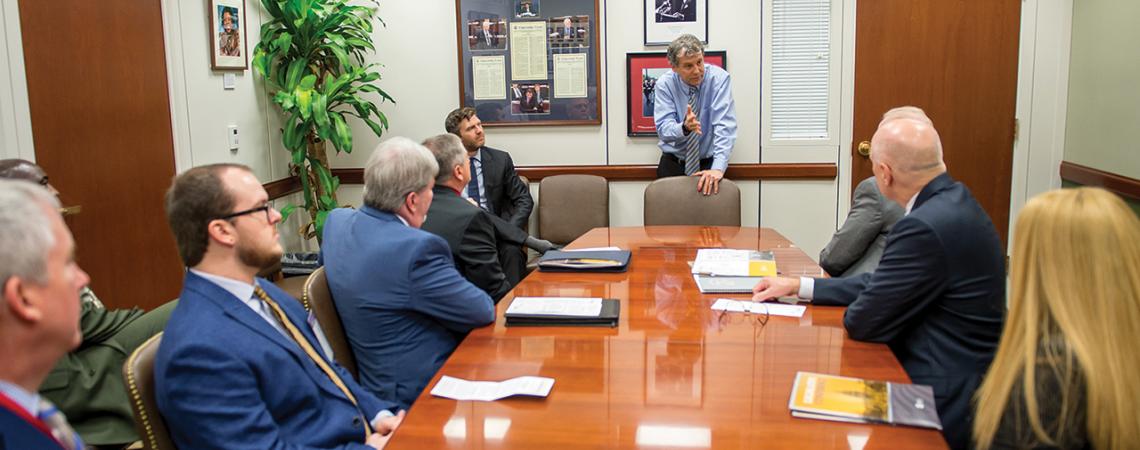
<point>641,73</point>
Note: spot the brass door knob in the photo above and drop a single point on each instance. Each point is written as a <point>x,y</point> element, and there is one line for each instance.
<point>864,149</point>
<point>70,210</point>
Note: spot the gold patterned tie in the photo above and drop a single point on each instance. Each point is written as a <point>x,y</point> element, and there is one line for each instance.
<point>308,348</point>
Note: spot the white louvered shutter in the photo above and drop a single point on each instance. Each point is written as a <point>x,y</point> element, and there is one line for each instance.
<point>800,63</point>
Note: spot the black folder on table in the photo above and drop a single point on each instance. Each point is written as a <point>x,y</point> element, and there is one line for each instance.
<point>608,317</point>
<point>585,261</point>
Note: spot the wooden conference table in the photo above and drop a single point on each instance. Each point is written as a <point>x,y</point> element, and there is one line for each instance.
<point>674,373</point>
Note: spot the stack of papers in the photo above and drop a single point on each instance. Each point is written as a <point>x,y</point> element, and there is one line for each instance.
<point>773,309</point>
<point>486,391</point>
<point>562,311</point>
<point>728,271</point>
<point>726,262</point>
<point>845,399</point>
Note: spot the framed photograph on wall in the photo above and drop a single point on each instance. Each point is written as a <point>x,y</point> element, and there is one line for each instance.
<point>667,19</point>
<point>530,62</point>
<point>641,73</point>
<point>227,35</point>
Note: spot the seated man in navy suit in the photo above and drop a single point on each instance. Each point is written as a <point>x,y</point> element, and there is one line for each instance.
<point>240,365</point>
<point>403,303</point>
<point>39,314</point>
<point>937,297</point>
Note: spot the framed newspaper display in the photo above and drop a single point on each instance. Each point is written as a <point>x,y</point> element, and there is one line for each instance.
<point>529,62</point>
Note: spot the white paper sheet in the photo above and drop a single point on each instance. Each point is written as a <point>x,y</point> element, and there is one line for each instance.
<point>557,306</point>
<point>485,391</point>
<point>722,261</point>
<point>774,309</point>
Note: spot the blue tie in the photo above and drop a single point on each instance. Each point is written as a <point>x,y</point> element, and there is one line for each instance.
<point>692,151</point>
<point>473,185</point>
<point>60,429</point>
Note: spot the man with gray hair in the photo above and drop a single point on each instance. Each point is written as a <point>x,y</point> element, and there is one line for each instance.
<point>39,314</point>
<point>938,295</point>
<point>468,229</point>
<point>87,383</point>
<point>404,305</point>
<point>695,116</point>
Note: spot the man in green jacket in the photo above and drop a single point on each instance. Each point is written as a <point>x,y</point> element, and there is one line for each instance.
<point>87,383</point>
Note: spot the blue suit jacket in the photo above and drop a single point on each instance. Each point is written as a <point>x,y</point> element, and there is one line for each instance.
<point>226,378</point>
<point>937,298</point>
<point>403,304</point>
<point>16,432</point>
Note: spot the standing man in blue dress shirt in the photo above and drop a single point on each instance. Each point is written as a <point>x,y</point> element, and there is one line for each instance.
<point>695,116</point>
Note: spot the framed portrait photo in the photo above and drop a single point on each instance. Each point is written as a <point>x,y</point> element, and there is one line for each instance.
<point>667,19</point>
<point>227,35</point>
<point>641,73</point>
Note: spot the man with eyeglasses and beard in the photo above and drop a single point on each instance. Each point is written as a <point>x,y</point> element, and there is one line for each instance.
<point>239,366</point>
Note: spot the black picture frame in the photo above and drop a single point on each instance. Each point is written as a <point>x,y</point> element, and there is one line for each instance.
<point>664,20</point>
<point>483,40</point>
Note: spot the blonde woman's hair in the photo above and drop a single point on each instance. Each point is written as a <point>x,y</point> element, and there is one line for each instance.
<point>1074,312</point>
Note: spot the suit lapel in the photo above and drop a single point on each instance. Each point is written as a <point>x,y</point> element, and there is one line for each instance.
<point>240,313</point>
<point>491,176</point>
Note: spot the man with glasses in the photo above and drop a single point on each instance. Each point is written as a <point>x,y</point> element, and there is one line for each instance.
<point>240,365</point>
<point>86,384</point>
<point>403,304</point>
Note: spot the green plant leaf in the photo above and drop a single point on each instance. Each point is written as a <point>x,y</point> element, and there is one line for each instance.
<point>294,74</point>
<point>343,133</point>
<point>320,111</point>
<point>319,223</point>
<point>376,128</point>
<point>287,211</point>
<point>308,82</point>
<point>284,99</point>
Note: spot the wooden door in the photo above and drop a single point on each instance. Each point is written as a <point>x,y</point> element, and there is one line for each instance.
<point>958,61</point>
<point>100,110</point>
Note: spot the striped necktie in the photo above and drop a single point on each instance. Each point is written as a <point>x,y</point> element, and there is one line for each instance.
<point>473,185</point>
<point>57,423</point>
<point>308,348</point>
<point>692,152</point>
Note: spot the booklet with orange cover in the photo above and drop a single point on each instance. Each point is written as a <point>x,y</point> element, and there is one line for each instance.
<point>845,399</point>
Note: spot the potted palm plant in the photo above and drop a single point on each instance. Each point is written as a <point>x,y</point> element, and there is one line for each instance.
<point>311,55</point>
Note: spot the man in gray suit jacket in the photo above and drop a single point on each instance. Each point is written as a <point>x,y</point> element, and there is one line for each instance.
<point>858,245</point>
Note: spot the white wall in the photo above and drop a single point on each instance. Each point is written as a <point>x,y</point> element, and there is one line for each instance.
<point>417,49</point>
<point>418,53</point>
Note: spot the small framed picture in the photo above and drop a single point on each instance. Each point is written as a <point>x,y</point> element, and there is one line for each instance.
<point>486,31</point>
<point>530,98</point>
<point>641,72</point>
<point>667,19</point>
<point>526,9</point>
<point>227,35</point>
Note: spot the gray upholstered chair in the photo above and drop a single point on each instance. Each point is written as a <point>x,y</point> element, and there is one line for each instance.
<point>318,299</point>
<point>675,201</point>
<point>138,373</point>
<point>571,205</point>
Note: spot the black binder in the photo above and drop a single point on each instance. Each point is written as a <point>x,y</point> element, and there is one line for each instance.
<point>608,317</point>
<point>588,261</point>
